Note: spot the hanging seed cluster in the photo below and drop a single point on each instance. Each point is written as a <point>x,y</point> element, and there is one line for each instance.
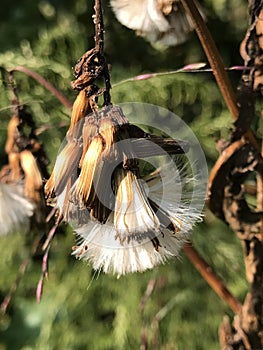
<point>96,183</point>
<point>97,186</point>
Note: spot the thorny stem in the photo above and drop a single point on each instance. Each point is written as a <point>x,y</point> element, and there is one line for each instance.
<point>50,236</point>
<point>216,62</point>
<point>190,68</point>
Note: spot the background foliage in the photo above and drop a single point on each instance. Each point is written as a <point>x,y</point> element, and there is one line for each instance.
<point>80,310</point>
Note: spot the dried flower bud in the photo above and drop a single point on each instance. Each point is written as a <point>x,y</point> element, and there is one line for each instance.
<point>12,133</point>
<point>33,179</point>
<point>66,164</point>
<point>14,164</point>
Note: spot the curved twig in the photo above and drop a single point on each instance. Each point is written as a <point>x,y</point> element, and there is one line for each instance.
<point>42,81</point>
<point>212,279</point>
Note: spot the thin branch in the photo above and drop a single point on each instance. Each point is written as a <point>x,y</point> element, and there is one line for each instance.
<point>99,46</point>
<point>213,56</point>
<point>216,62</point>
<point>44,83</point>
<point>99,27</point>
<point>212,279</point>
<point>190,68</point>
<point>260,195</point>
<point>148,292</point>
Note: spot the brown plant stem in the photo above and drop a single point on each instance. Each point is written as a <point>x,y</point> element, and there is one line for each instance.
<point>44,83</point>
<point>99,46</point>
<point>99,27</point>
<point>216,62</point>
<point>260,195</point>
<point>212,279</point>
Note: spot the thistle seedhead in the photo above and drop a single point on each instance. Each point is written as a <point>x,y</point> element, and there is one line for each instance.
<point>124,222</point>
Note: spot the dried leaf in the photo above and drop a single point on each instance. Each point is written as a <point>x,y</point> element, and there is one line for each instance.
<point>66,164</point>
<point>83,187</point>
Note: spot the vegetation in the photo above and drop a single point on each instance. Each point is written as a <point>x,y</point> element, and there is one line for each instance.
<point>80,309</point>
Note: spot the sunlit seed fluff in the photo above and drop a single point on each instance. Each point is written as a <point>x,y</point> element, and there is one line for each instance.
<point>160,22</point>
<point>15,209</point>
<point>175,203</point>
<point>100,247</point>
<point>141,15</point>
<point>106,250</point>
<point>89,131</point>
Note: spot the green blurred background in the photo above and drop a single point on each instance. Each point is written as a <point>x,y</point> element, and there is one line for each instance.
<point>80,310</point>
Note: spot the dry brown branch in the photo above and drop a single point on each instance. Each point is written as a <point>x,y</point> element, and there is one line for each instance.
<point>216,63</point>
<point>226,196</point>
<point>212,279</point>
<point>44,83</point>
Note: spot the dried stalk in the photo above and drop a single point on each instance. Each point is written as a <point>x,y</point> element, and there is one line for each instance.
<point>212,279</point>
<point>44,83</point>
<point>99,47</point>
<point>247,328</point>
<point>216,63</point>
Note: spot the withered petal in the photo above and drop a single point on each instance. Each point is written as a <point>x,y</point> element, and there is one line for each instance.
<point>80,108</point>
<point>133,213</point>
<point>33,178</point>
<point>83,188</point>
<point>66,164</point>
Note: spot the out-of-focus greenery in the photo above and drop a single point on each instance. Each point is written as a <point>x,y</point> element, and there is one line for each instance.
<point>80,310</point>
